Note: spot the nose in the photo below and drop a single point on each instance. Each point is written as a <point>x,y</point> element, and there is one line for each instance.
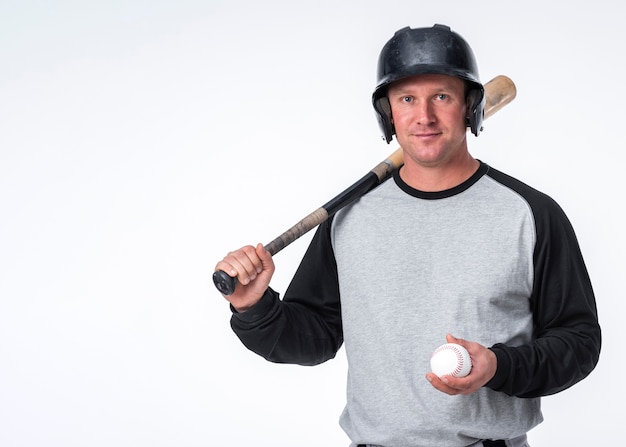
<point>424,113</point>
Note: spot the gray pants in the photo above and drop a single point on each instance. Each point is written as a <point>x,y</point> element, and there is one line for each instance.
<point>520,441</point>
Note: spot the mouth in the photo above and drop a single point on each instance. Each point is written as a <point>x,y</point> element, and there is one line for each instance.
<point>426,135</point>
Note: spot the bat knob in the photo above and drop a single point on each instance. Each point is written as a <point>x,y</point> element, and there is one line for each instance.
<point>224,283</point>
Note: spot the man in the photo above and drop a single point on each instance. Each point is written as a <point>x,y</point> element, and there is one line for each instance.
<point>449,247</point>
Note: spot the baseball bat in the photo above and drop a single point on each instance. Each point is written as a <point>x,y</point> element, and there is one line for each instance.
<point>498,92</point>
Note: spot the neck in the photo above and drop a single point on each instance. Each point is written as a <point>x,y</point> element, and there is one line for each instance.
<point>438,177</point>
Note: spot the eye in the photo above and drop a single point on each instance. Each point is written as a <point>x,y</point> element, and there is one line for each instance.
<point>407,99</point>
<point>441,97</point>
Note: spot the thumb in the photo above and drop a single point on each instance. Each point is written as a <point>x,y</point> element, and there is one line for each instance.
<point>262,252</point>
<point>265,257</point>
<point>452,339</point>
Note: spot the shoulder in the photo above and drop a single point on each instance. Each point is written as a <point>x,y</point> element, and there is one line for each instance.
<point>546,211</point>
<point>535,198</point>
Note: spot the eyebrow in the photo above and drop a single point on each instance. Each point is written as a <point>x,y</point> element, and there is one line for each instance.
<point>441,88</point>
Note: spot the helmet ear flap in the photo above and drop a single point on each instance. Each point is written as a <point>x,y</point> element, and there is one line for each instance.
<point>385,120</point>
<point>475,109</point>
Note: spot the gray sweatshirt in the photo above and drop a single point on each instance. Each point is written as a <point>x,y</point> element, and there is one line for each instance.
<point>491,260</point>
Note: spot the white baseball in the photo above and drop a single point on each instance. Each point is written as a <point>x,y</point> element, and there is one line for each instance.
<point>450,359</point>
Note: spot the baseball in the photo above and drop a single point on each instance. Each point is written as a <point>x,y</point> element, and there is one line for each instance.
<point>450,359</point>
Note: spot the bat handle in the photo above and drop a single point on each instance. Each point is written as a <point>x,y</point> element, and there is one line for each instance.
<point>224,282</point>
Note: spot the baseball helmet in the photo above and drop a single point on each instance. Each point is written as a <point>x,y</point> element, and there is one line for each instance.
<point>416,51</point>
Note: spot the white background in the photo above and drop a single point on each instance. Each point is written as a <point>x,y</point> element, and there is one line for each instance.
<point>142,140</point>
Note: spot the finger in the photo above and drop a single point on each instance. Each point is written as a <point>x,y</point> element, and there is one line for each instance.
<point>244,263</point>
<point>249,266</point>
<point>452,385</point>
<point>226,267</point>
<point>442,384</point>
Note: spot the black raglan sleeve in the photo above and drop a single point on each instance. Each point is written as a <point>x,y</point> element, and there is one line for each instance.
<point>567,336</point>
<point>305,327</point>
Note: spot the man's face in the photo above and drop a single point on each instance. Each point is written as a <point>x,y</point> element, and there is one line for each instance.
<point>429,114</point>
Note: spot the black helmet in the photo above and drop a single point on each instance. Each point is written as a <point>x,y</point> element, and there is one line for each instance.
<point>418,51</point>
